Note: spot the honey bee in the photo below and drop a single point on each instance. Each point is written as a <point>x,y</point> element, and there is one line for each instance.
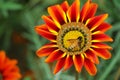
<point>75,44</point>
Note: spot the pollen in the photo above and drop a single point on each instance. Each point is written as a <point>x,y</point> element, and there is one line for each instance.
<point>74,38</point>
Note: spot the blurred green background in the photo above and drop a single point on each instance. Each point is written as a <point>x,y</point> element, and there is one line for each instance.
<point>20,41</point>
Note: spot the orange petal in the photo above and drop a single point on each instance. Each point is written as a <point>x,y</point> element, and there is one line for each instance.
<point>65,6</point>
<point>90,67</point>
<point>46,49</point>
<point>84,10</point>
<point>10,62</point>
<point>7,78</point>
<point>9,65</point>
<point>100,37</point>
<point>59,65</point>
<point>91,11</point>
<point>94,22</point>
<point>103,27</point>
<point>103,53</point>
<point>100,45</point>
<point>51,25</point>
<point>78,62</point>
<point>2,57</point>
<point>44,32</point>
<point>68,62</point>
<point>13,75</point>
<point>57,14</point>
<point>57,54</point>
<point>92,57</point>
<point>73,12</point>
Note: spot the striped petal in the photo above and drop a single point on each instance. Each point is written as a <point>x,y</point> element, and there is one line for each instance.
<point>90,67</point>
<point>103,53</point>
<point>73,12</point>
<point>92,57</point>
<point>103,27</point>
<point>44,32</point>
<point>84,10</point>
<point>68,62</point>
<point>46,49</point>
<point>100,45</point>
<point>65,6</point>
<point>78,62</point>
<point>59,65</point>
<point>57,54</point>
<point>100,37</point>
<point>57,14</point>
<point>91,11</point>
<point>94,22</point>
<point>51,25</point>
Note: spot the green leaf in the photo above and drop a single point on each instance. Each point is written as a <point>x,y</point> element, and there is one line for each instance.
<point>2,28</point>
<point>117,3</point>
<point>11,6</point>
<point>115,28</point>
<point>116,41</point>
<point>67,77</point>
<point>27,78</point>
<point>111,65</point>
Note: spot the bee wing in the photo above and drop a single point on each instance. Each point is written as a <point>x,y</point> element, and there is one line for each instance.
<point>71,40</point>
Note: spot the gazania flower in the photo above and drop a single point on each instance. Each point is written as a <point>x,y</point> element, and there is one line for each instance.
<point>76,36</point>
<point>8,68</point>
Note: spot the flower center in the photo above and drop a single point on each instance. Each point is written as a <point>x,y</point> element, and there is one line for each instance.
<point>74,38</point>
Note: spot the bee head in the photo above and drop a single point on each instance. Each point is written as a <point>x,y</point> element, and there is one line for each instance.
<point>79,38</point>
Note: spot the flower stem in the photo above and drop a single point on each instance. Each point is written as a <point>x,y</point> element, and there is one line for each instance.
<point>76,75</point>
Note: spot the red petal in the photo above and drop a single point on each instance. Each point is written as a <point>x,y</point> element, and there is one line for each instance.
<point>100,37</point>
<point>103,53</point>
<point>59,65</point>
<point>100,45</point>
<point>92,57</point>
<point>57,14</point>
<point>57,54</point>
<point>68,62</point>
<point>73,12</point>
<point>65,6</point>
<point>103,27</point>
<point>44,32</point>
<point>46,49</point>
<point>78,62</point>
<point>90,67</point>
<point>51,25</point>
<point>91,11</point>
<point>84,10</point>
<point>94,22</point>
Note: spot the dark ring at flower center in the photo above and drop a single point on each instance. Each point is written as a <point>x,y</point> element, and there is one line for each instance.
<point>74,38</point>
